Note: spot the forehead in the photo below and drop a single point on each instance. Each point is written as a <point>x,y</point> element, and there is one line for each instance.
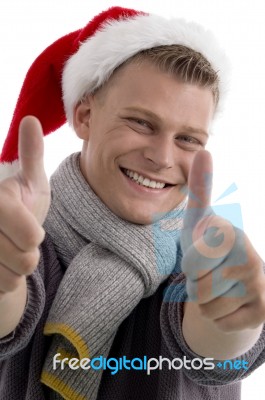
<point>143,74</point>
<point>143,84</point>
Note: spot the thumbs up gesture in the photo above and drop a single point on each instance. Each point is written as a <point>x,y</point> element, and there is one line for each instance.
<point>24,203</point>
<point>224,273</point>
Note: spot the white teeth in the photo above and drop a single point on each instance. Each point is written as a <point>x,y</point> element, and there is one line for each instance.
<point>144,181</point>
<point>135,176</point>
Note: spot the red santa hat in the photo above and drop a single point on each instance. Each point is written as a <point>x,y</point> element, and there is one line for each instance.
<point>82,61</point>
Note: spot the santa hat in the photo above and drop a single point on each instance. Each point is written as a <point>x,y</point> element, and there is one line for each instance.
<point>82,61</point>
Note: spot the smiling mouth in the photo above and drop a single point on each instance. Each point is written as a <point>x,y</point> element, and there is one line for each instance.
<point>144,181</point>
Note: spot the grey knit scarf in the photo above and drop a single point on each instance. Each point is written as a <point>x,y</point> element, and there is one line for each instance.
<point>111,264</point>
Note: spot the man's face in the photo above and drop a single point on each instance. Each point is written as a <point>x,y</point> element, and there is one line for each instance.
<point>140,137</point>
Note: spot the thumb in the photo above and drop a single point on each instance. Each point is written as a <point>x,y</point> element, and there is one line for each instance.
<point>34,185</point>
<point>31,150</point>
<point>200,188</point>
<point>199,198</point>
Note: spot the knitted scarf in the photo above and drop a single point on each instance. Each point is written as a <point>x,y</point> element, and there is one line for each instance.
<point>111,264</point>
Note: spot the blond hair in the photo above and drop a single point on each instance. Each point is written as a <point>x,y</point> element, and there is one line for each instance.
<point>187,65</point>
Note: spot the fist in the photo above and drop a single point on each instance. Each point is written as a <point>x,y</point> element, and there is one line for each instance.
<point>225,275</point>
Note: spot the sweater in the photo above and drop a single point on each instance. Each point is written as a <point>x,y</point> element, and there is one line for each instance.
<point>111,264</point>
<point>152,330</point>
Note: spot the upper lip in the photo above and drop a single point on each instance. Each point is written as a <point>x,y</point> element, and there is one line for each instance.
<point>146,175</point>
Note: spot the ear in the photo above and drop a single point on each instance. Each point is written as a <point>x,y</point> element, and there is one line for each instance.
<point>81,120</point>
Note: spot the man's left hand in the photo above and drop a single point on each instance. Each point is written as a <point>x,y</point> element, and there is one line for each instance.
<point>225,275</point>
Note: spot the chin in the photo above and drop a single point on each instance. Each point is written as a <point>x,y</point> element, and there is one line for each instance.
<point>141,214</point>
<point>140,219</point>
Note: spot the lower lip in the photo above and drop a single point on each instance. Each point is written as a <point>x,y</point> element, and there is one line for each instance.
<point>144,189</point>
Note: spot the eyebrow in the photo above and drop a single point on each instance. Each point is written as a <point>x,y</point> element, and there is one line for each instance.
<point>150,114</point>
<point>144,111</point>
<point>190,129</point>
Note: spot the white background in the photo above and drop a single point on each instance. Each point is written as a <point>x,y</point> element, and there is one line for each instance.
<point>27,27</point>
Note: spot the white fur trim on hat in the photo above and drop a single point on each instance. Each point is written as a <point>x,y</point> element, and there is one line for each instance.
<point>117,41</point>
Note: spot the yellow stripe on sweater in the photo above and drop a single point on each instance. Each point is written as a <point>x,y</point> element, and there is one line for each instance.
<point>68,332</point>
<point>60,387</point>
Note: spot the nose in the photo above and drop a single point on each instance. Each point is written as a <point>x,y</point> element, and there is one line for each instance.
<point>160,152</point>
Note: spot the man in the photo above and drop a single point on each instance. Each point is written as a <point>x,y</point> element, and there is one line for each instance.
<point>105,283</point>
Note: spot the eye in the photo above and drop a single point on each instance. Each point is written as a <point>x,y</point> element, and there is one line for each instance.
<point>140,121</point>
<point>140,125</point>
<point>190,142</point>
<point>188,139</point>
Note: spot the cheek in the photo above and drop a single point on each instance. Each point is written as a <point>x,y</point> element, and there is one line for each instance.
<point>186,163</point>
<point>120,145</point>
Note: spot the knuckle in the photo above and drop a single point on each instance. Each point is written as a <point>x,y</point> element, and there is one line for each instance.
<point>224,325</point>
<point>208,311</point>
<point>204,311</point>
<point>255,286</point>
<point>255,262</point>
<point>256,323</point>
<point>34,238</point>
<point>256,317</point>
<point>260,305</point>
<point>29,261</point>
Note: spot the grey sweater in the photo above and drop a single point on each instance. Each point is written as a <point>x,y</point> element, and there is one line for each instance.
<point>153,329</point>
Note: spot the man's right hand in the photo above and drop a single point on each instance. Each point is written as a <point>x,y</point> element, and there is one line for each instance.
<point>24,203</point>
